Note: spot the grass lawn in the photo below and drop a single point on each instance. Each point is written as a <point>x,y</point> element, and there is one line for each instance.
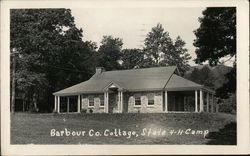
<point>172,128</point>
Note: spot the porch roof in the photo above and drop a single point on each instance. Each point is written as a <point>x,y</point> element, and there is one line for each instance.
<point>177,83</point>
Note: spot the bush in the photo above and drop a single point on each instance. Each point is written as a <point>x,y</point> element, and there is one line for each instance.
<point>228,105</point>
<point>91,111</point>
<point>84,110</point>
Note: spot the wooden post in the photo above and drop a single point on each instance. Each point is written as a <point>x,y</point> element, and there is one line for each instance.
<point>196,101</point>
<point>55,109</point>
<point>118,101</point>
<point>121,101</point>
<point>212,106</point>
<point>217,108</point>
<point>58,104</point>
<point>207,101</point>
<point>166,101</point>
<point>67,104</point>
<point>201,101</point>
<point>107,102</point>
<point>79,104</point>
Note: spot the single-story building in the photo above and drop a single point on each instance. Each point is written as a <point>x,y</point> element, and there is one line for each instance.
<point>146,90</point>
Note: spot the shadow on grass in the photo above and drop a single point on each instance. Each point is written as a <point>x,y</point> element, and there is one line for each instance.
<point>225,136</point>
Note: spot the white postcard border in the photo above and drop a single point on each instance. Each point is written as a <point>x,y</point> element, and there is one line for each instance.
<point>242,83</point>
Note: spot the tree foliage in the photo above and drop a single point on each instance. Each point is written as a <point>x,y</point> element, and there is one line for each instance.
<point>157,43</point>
<point>216,39</point>
<point>216,36</point>
<point>161,50</point>
<point>110,53</point>
<point>203,76</point>
<point>229,86</point>
<point>49,51</point>
<point>132,58</point>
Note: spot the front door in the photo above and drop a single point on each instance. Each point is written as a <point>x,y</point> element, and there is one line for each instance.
<point>113,103</point>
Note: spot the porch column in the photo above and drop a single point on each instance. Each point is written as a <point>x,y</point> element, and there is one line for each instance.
<point>196,101</point>
<point>67,104</point>
<point>106,102</point>
<point>58,104</point>
<point>201,101</point>
<point>207,101</point>
<point>212,105</point>
<point>217,108</point>
<point>79,104</point>
<point>121,101</point>
<point>166,101</point>
<point>55,109</point>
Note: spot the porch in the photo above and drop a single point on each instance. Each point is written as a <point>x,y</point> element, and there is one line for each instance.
<point>189,101</point>
<point>115,100</point>
<point>112,102</point>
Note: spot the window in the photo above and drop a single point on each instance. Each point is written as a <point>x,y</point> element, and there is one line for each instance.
<point>137,100</point>
<point>91,101</point>
<point>102,101</point>
<point>151,100</point>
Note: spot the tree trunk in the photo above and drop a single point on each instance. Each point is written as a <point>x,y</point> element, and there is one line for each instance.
<point>23,105</point>
<point>13,85</point>
<point>35,102</point>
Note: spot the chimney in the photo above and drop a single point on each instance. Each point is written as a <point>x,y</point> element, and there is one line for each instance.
<point>99,70</point>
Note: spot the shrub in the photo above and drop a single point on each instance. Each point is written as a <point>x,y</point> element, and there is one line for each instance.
<point>91,111</point>
<point>84,111</point>
<point>228,105</point>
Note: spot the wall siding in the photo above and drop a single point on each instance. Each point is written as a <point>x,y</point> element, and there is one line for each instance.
<point>144,108</point>
<point>128,103</point>
<point>96,108</point>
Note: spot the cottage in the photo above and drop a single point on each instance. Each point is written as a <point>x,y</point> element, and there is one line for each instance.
<point>147,90</point>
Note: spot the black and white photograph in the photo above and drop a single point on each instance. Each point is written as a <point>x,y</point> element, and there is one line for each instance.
<point>130,73</point>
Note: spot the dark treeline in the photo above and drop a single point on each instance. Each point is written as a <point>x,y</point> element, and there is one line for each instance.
<point>49,53</point>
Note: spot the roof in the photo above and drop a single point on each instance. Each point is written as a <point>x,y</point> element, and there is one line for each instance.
<point>144,79</point>
<point>176,83</point>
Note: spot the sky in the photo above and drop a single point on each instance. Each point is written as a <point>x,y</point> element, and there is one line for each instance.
<point>133,24</point>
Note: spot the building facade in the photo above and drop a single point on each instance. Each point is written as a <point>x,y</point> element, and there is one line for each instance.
<point>147,90</point>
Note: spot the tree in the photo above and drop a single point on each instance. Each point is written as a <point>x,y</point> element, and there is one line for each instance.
<point>110,53</point>
<point>161,50</point>
<point>132,58</point>
<point>216,39</point>
<point>179,56</point>
<point>203,76</point>
<point>157,43</point>
<point>229,86</point>
<point>216,36</point>
<point>51,53</point>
